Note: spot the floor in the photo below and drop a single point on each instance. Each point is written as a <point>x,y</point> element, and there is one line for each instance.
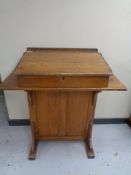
<point>112,144</point>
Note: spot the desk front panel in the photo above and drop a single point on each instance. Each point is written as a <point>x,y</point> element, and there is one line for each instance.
<point>62,114</point>
<point>63,81</point>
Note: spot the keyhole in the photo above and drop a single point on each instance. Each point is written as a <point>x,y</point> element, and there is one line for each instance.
<point>63,78</point>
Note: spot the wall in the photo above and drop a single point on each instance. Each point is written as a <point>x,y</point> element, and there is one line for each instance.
<point>102,24</point>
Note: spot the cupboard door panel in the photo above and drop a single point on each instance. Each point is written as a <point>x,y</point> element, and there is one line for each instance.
<point>47,111</point>
<point>77,113</point>
<point>62,113</point>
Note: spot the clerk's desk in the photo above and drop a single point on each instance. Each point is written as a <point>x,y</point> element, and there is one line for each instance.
<point>62,86</point>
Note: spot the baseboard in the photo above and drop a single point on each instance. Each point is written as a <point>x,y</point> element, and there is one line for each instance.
<point>129,121</point>
<point>26,122</point>
<point>1,93</point>
<point>111,121</point>
<point>18,122</point>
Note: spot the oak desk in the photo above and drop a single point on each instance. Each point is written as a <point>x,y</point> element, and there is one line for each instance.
<point>62,86</point>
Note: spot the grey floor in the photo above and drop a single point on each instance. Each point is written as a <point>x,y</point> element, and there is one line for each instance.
<point>112,144</point>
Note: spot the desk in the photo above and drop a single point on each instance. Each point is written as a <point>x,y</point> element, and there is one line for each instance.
<point>62,85</point>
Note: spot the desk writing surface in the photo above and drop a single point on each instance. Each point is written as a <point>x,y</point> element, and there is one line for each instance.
<point>63,62</point>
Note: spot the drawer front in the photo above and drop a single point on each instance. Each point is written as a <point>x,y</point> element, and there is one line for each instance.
<point>63,81</point>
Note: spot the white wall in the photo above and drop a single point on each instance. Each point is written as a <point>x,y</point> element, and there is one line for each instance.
<point>104,24</point>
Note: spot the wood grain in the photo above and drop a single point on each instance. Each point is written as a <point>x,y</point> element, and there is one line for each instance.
<point>35,49</point>
<point>77,113</point>
<point>63,62</point>
<point>62,113</point>
<point>63,81</point>
<point>47,113</point>
<point>10,83</point>
<point>62,86</point>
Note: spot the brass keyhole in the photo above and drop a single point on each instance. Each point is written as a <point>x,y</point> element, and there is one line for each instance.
<point>63,78</point>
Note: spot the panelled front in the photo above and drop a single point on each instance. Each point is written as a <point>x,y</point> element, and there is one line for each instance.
<point>61,114</point>
<point>77,113</point>
<point>47,113</point>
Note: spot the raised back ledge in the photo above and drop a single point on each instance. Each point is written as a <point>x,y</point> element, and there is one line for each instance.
<point>10,83</point>
<point>62,49</point>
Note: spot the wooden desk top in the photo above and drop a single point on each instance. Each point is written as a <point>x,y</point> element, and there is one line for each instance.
<point>10,83</point>
<point>49,61</point>
<point>53,61</point>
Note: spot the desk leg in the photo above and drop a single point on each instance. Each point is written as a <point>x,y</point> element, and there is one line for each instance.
<point>31,100</point>
<point>32,154</point>
<point>90,151</point>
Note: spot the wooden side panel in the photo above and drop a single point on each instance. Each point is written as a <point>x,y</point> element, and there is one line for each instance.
<point>77,113</point>
<point>48,119</point>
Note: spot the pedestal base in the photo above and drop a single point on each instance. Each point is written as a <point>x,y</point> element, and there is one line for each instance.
<point>61,115</point>
<point>90,150</point>
<point>89,147</point>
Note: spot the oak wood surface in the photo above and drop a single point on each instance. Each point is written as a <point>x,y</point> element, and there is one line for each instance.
<point>62,62</point>
<point>62,49</point>
<point>88,140</point>
<point>10,83</point>
<point>61,113</point>
<point>77,113</point>
<point>62,86</point>
<point>63,81</point>
<point>32,111</point>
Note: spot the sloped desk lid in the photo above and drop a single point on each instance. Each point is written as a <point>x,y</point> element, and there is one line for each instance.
<point>63,62</point>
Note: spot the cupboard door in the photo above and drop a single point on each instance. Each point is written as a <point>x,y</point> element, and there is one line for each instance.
<point>77,113</point>
<point>47,113</point>
<point>62,114</point>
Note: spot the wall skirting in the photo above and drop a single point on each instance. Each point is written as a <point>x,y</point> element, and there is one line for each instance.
<point>23,122</point>
<point>18,122</point>
<point>111,121</point>
<point>1,92</point>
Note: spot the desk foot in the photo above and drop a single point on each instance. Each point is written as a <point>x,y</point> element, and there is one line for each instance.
<point>90,151</point>
<point>32,154</point>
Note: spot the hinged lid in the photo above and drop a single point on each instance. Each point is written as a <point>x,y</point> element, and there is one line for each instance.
<point>70,62</point>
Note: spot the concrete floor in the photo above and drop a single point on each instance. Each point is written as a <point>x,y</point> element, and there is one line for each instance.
<point>112,145</point>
